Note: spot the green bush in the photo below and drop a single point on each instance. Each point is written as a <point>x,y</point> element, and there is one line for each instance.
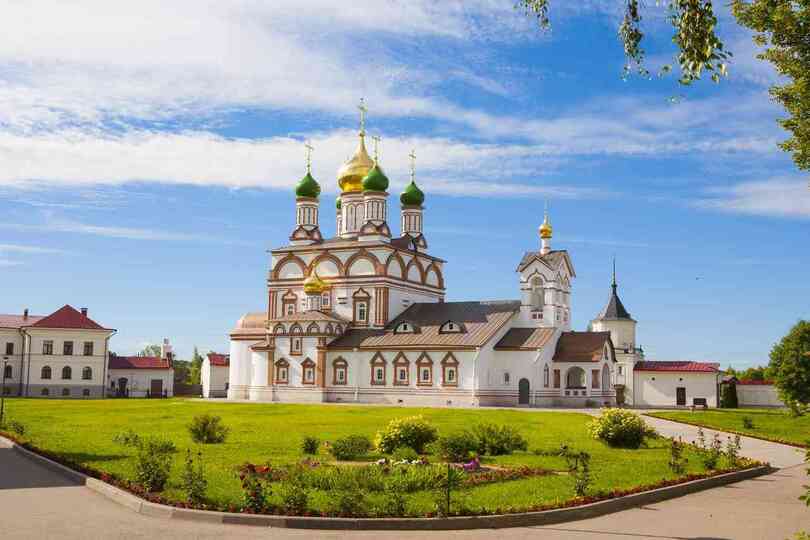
<point>404,453</point>
<point>620,428</point>
<point>497,440</point>
<point>14,427</point>
<point>413,431</point>
<point>193,479</point>
<point>351,447</point>
<point>153,459</point>
<point>207,429</point>
<point>310,445</point>
<point>457,447</point>
<point>294,494</point>
<point>747,422</point>
<point>728,395</point>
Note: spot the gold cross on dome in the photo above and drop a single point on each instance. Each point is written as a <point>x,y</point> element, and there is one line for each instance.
<point>376,140</point>
<point>412,155</point>
<point>309,149</point>
<point>363,111</point>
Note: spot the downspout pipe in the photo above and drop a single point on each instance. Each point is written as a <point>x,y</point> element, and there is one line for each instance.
<point>106,362</point>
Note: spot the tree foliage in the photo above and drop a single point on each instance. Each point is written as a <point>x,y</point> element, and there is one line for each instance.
<point>700,51</point>
<point>783,28</point>
<point>195,371</point>
<point>150,350</point>
<point>790,364</point>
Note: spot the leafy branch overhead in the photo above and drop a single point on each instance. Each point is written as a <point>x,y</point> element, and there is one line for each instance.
<point>699,49</point>
<point>782,27</point>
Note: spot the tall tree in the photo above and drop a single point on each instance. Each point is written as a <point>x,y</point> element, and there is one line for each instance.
<point>150,350</point>
<point>782,26</point>
<point>196,367</point>
<point>790,363</point>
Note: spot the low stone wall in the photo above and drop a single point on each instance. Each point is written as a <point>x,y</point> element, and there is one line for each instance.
<point>526,519</point>
<point>758,395</point>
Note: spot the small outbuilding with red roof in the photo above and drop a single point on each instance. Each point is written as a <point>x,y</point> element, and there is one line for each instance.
<point>678,383</point>
<point>214,375</point>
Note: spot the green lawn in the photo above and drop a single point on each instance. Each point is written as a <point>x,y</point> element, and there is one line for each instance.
<point>771,424</point>
<point>82,432</point>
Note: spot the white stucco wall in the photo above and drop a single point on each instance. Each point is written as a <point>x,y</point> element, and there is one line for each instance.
<point>214,379</point>
<point>658,388</point>
<point>758,395</point>
<point>139,381</point>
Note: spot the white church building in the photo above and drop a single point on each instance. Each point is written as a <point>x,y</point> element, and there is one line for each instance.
<point>362,317</point>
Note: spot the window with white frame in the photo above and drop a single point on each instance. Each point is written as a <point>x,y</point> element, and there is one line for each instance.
<point>296,345</point>
<point>67,348</point>
<point>378,365</point>
<point>326,300</point>
<point>88,348</point>
<point>450,327</point>
<point>362,311</point>
<point>47,347</point>
<point>340,371</point>
<point>308,372</point>
<point>282,372</point>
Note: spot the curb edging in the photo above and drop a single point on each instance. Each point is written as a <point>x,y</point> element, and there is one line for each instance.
<point>526,519</point>
<point>732,431</point>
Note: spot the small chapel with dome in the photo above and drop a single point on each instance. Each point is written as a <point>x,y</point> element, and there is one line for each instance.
<point>361,316</point>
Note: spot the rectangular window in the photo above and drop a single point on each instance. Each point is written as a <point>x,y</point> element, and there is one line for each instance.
<point>295,345</point>
<point>506,378</point>
<point>402,374</point>
<point>88,348</point>
<point>556,378</point>
<point>47,347</point>
<point>362,312</point>
<point>325,300</point>
<point>425,375</point>
<point>289,307</point>
<point>379,374</point>
<point>9,348</point>
<point>620,370</point>
<point>67,348</point>
<point>451,375</point>
<point>340,375</point>
<point>309,375</point>
<point>594,378</point>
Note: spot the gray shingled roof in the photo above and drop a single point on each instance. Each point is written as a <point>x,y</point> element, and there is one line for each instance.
<point>553,258</point>
<point>614,309</point>
<point>525,338</point>
<point>480,321</point>
<point>581,346</point>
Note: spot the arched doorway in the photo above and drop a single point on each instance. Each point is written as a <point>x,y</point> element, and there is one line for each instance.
<point>523,392</point>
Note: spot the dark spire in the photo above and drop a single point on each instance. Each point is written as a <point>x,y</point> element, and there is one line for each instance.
<point>614,308</point>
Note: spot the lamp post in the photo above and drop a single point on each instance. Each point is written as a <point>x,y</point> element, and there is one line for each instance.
<point>3,392</point>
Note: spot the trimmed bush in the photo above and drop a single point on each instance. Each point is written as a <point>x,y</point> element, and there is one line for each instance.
<point>457,447</point>
<point>495,440</point>
<point>404,453</point>
<point>207,429</point>
<point>620,428</point>
<point>310,445</point>
<point>413,431</point>
<point>351,447</point>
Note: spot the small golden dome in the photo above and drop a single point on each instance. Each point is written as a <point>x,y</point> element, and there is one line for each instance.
<point>545,229</point>
<point>314,284</point>
<point>351,173</point>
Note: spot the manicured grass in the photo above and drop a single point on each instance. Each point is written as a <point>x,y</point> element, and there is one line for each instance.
<point>82,432</point>
<point>771,424</point>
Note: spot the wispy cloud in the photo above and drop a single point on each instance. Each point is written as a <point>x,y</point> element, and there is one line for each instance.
<point>19,248</point>
<point>59,225</point>
<point>780,197</point>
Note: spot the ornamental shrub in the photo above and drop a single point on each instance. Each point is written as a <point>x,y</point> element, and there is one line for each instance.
<point>677,461</point>
<point>413,431</point>
<point>620,428</point>
<point>747,422</point>
<point>153,459</point>
<point>293,492</point>
<point>351,447</point>
<point>310,445</point>
<point>404,453</point>
<point>495,440</point>
<point>207,429</point>
<point>457,447</point>
<point>728,395</point>
<point>193,479</point>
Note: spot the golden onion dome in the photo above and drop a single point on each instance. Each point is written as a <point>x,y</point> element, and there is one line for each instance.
<point>545,229</point>
<point>351,173</point>
<point>314,284</point>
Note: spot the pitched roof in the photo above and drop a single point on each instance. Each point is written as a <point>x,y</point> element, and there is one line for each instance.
<point>614,309</point>
<point>677,365</point>
<point>553,258</point>
<point>18,321</point>
<point>581,346</point>
<point>480,319</point>
<point>217,359</point>
<point>68,317</point>
<point>525,339</point>
<point>138,362</point>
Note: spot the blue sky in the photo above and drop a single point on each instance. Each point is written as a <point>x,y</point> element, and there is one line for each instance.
<point>148,154</point>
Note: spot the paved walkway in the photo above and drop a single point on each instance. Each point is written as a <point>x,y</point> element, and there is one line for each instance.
<point>36,503</point>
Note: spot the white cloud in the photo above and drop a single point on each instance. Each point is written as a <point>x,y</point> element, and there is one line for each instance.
<point>780,197</point>
<point>18,248</point>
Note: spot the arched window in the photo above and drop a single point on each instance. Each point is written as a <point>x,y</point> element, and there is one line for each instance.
<point>282,372</point>
<point>575,378</point>
<point>545,376</point>
<point>7,372</point>
<point>67,373</point>
<point>46,373</point>
<point>87,374</point>
<point>605,378</point>
<point>340,368</point>
<point>537,299</point>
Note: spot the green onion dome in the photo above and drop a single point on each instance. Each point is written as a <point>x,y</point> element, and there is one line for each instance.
<point>375,180</point>
<point>337,203</point>
<point>308,187</point>
<point>412,196</point>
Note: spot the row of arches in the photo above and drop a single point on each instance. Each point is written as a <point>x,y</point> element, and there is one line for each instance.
<point>362,263</point>
<point>296,329</point>
<point>67,373</point>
